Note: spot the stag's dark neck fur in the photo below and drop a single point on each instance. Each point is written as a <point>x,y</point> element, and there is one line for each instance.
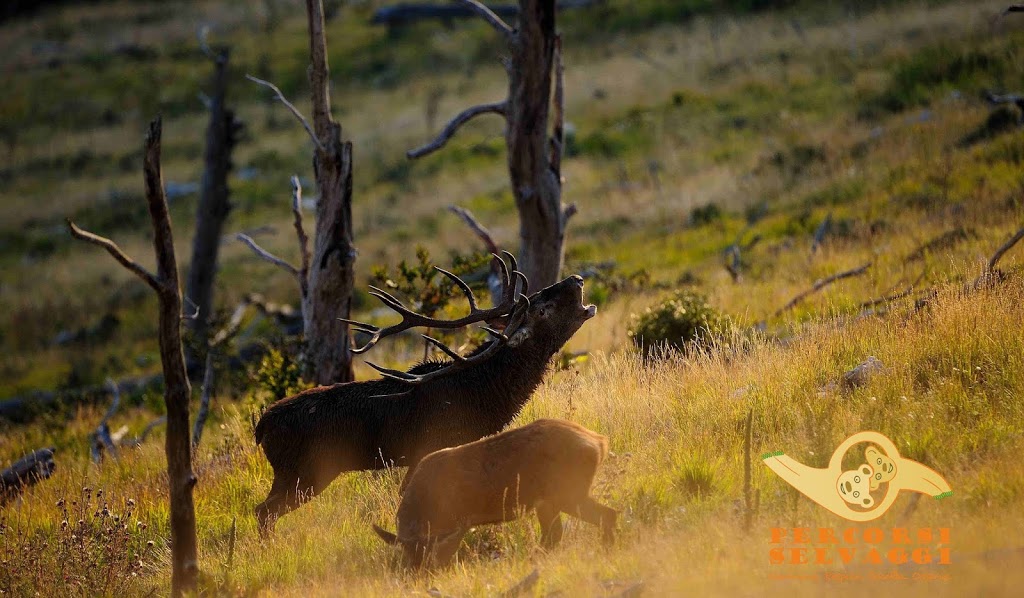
<point>497,388</point>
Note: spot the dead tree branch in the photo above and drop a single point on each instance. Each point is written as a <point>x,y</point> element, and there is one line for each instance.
<point>488,15</point>
<point>821,232</point>
<point>232,327</point>
<point>887,298</point>
<point>119,255</point>
<point>821,284</point>
<point>290,106</point>
<point>480,230</point>
<point>204,401</point>
<point>266,255</point>
<point>495,283</point>
<point>998,255</point>
<point>141,438</point>
<point>100,440</point>
<point>454,125</point>
<point>991,275</point>
<point>303,273</point>
<point>27,471</point>
<point>218,57</point>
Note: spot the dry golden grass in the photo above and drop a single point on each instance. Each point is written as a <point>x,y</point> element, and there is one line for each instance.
<point>950,396</point>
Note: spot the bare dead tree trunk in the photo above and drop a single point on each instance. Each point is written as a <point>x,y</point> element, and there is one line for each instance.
<point>534,173</point>
<point>177,391</point>
<point>331,273</point>
<point>326,278</point>
<point>534,158</point>
<point>214,204</point>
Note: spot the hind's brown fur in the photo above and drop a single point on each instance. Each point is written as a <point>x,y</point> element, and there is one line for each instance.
<point>548,465</point>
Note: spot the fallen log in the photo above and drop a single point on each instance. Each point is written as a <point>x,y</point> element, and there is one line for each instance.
<point>30,469</point>
<point>25,408</point>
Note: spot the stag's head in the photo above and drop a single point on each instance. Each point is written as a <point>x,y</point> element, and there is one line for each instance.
<point>541,323</point>
<point>553,316</point>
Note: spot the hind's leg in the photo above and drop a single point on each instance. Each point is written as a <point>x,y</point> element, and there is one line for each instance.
<point>550,524</point>
<point>591,511</point>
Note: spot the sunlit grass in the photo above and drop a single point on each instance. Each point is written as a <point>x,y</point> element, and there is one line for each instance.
<point>949,395</point>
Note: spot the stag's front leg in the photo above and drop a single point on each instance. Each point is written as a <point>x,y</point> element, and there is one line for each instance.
<point>287,493</point>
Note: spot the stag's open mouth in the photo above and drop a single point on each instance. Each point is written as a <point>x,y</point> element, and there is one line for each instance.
<point>590,310</point>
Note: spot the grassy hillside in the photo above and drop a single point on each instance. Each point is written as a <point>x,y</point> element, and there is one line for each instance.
<point>691,132</point>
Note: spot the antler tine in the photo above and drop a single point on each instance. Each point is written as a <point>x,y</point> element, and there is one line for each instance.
<point>443,347</point>
<point>468,292</point>
<point>516,272</point>
<point>373,331</point>
<point>361,326</point>
<point>526,281</point>
<point>504,275</point>
<point>519,313</point>
<point>386,298</point>
<point>394,374</point>
<point>495,333</point>
<point>498,343</point>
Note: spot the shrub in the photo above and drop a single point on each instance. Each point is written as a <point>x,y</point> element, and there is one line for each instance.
<point>683,321</point>
<point>279,375</point>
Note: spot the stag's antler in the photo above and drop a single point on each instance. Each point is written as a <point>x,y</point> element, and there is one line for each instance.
<point>458,361</point>
<point>513,304</point>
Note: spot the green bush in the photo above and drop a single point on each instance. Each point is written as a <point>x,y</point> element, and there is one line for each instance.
<point>683,321</point>
<point>279,375</point>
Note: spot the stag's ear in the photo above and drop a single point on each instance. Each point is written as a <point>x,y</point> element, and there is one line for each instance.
<point>519,337</point>
<point>385,535</point>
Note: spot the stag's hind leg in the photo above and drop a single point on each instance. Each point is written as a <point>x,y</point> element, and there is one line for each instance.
<point>550,525</point>
<point>591,511</point>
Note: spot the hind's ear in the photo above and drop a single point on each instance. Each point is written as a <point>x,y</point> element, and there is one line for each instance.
<point>385,535</point>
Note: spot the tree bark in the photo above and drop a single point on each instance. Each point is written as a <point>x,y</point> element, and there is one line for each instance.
<point>214,206</point>
<point>177,391</point>
<point>536,185</point>
<point>331,276</point>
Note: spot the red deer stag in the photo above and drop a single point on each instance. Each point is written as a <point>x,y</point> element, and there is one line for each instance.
<point>548,465</point>
<point>314,436</point>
